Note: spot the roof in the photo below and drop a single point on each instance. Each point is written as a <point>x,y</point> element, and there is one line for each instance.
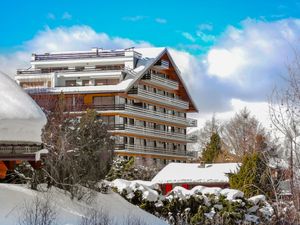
<point>194,173</point>
<point>21,119</point>
<point>149,57</point>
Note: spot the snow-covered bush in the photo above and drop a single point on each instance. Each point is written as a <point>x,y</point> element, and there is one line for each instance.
<point>200,205</point>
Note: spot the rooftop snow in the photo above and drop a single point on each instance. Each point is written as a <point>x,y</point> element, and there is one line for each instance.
<point>194,173</point>
<point>21,119</point>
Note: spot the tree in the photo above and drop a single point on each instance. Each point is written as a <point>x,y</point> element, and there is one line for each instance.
<point>80,149</point>
<point>204,134</point>
<point>213,149</point>
<point>241,132</point>
<point>129,170</point>
<point>253,177</point>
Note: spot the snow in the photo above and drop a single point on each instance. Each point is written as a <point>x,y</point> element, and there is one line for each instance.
<point>131,186</point>
<point>68,211</point>
<point>21,119</point>
<point>193,173</point>
<point>231,194</point>
<point>256,199</point>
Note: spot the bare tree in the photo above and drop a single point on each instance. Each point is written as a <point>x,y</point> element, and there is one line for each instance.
<point>80,149</point>
<point>38,212</point>
<point>97,217</point>
<point>203,135</point>
<point>240,133</point>
<point>284,108</point>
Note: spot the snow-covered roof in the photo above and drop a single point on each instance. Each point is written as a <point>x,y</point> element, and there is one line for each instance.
<point>21,119</point>
<point>149,56</point>
<point>195,173</point>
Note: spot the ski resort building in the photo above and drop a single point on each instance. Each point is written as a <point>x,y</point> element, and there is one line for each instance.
<point>21,123</point>
<point>138,92</point>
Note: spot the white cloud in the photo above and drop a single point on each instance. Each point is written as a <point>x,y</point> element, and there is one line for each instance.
<point>188,36</point>
<point>160,20</point>
<point>205,26</point>
<point>51,16</point>
<point>63,39</point>
<point>66,16</point>
<point>134,18</point>
<point>240,69</point>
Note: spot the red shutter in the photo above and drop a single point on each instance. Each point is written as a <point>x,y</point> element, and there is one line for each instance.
<point>169,188</point>
<point>186,186</point>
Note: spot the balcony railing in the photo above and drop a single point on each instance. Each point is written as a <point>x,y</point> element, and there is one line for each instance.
<point>86,70</point>
<point>78,55</point>
<point>161,81</point>
<point>7,148</point>
<point>136,111</point>
<point>155,133</point>
<point>151,150</point>
<point>158,98</point>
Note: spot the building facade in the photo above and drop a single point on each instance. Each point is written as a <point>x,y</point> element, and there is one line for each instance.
<point>138,92</point>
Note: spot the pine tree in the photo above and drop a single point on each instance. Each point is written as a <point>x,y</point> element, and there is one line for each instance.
<point>213,148</point>
<point>253,177</point>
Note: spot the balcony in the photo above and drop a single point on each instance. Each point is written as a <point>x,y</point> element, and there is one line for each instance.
<point>15,151</point>
<point>161,81</point>
<point>68,71</point>
<point>158,98</point>
<point>139,112</point>
<point>139,149</point>
<point>155,133</point>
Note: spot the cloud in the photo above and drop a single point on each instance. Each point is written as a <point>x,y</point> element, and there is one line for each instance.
<point>205,26</point>
<point>134,18</point>
<point>244,63</point>
<point>160,20</point>
<point>63,39</point>
<point>51,16</point>
<point>188,36</point>
<point>66,16</point>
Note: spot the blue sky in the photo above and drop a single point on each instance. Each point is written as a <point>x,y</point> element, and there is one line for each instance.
<point>162,23</point>
<point>231,53</point>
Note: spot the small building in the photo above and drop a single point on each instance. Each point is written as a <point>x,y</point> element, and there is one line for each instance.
<point>21,123</point>
<point>189,175</point>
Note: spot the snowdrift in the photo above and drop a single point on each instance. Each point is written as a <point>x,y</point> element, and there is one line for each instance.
<point>21,119</point>
<point>69,212</point>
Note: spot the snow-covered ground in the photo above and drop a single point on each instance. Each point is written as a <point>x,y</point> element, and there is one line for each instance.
<point>21,119</point>
<point>69,212</point>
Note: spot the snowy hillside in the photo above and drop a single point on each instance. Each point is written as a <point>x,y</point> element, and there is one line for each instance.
<point>21,119</point>
<point>68,211</point>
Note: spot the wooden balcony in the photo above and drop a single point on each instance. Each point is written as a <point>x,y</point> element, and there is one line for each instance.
<point>148,150</point>
<point>139,112</point>
<point>155,133</point>
<point>19,151</point>
<point>142,94</point>
<point>161,81</point>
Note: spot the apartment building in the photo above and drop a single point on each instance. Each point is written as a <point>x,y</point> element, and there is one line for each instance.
<point>138,92</point>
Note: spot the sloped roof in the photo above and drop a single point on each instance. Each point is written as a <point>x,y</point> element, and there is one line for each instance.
<point>149,57</point>
<point>194,173</point>
<point>21,119</point>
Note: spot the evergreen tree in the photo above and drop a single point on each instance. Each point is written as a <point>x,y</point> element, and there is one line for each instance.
<point>213,148</point>
<point>253,177</point>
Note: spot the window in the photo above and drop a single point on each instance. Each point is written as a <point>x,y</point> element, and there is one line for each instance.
<point>70,83</point>
<point>85,82</point>
<point>131,141</point>
<point>104,100</point>
<point>79,68</point>
<point>99,82</point>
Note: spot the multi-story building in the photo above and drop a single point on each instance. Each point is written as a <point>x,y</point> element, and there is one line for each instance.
<point>138,92</point>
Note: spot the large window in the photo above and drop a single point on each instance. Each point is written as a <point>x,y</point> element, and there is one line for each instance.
<point>104,100</point>
<point>99,82</point>
<point>70,83</point>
